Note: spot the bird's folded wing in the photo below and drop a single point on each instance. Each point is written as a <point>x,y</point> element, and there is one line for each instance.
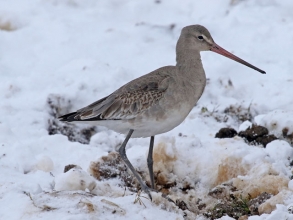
<point>127,102</point>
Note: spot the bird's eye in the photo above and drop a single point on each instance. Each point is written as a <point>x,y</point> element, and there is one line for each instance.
<point>200,37</point>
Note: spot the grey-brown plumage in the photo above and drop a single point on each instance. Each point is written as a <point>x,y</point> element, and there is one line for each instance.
<point>127,102</point>
<point>159,101</point>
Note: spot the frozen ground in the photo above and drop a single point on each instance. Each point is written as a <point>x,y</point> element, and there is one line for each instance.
<point>82,50</point>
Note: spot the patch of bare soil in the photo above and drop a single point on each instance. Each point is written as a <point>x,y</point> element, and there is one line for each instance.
<point>224,199</point>
<point>238,113</point>
<point>58,106</point>
<point>112,166</point>
<point>255,135</point>
<point>226,133</point>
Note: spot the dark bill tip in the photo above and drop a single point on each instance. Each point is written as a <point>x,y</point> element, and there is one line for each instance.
<point>217,49</point>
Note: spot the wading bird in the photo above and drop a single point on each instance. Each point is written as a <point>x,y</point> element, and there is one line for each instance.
<point>158,101</point>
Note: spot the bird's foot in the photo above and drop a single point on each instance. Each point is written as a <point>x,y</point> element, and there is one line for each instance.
<point>147,190</point>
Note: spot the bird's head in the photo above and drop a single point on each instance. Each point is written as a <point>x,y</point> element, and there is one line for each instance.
<point>198,38</point>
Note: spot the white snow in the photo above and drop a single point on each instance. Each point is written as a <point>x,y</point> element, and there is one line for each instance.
<point>244,126</point>
<point>74,179</point>
<point>278,120</point>
<point>82,50</point>
<point>279,150</point>
<point>290,185</point>
<point>44,163</point>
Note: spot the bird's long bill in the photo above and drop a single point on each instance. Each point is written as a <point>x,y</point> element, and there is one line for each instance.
<point>217,49</point>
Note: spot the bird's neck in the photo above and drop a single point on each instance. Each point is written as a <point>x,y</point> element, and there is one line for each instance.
<point>188,58</point>
<point>191,74</point>
<point>190,68</point>
<point>189,65</point>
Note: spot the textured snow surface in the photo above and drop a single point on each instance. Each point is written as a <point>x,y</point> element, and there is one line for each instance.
<point>82,50</point>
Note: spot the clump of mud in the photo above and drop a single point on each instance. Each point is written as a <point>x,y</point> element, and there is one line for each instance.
<point>226,133</point>
<point>254,132</point>
<point>231,202</point>
<point>112,166</point>
<point>58,106</point>
<point>254,135</point>
<point>257,135</point>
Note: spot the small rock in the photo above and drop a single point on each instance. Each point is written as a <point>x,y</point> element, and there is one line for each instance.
<point>226,133</point>
<point>251,134</point>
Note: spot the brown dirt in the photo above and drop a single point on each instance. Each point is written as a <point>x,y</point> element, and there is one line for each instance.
<point>251,134</point>
<point>226,133</point>
<point>112,166</point>
<point>58,106</point>
<point>69,167</point>
<point>264,140</point>
<point>229,168</point>
<point>256,202</point>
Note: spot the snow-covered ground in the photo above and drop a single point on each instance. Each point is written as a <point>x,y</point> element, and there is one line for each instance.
<point>82,50</point>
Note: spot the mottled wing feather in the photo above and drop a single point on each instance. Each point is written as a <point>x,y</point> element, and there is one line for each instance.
<point>130,104</point>
<point>128,101</point>
<point>95,109</point>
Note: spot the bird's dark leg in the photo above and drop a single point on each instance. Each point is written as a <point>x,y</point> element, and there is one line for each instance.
<point>122,153</point>
<point>150,161</point>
